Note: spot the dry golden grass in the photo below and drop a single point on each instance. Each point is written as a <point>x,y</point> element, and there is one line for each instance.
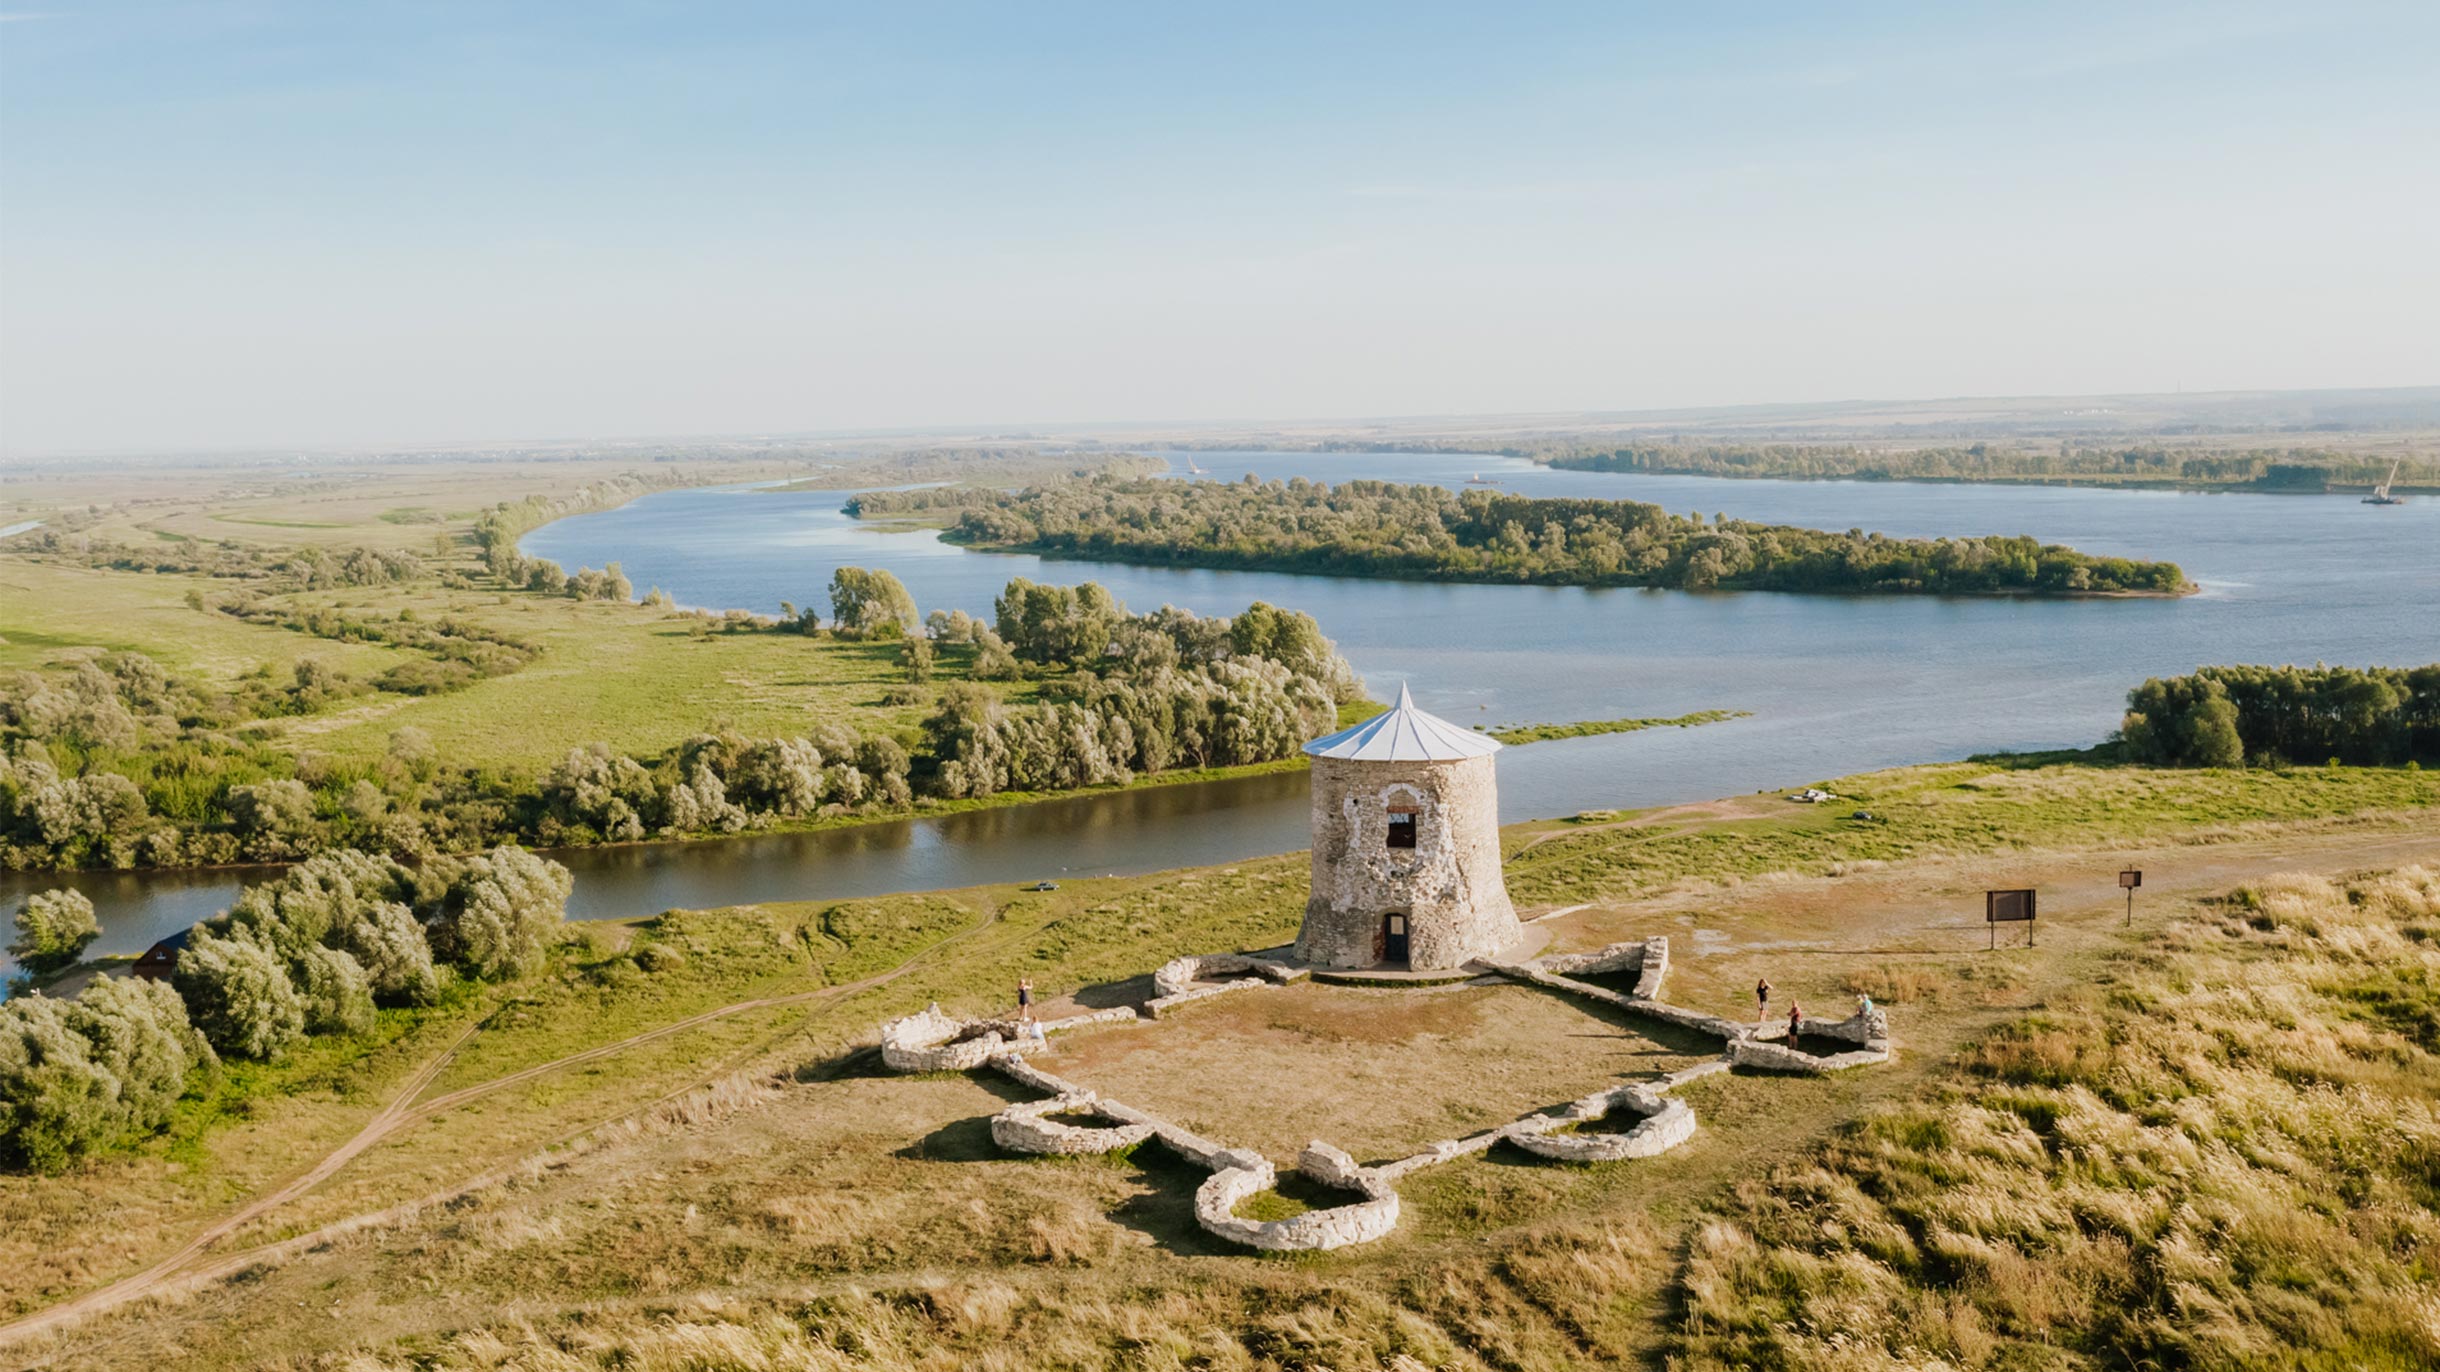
<point>2210,1157</point>
<point>2224,1154</point>
<point>870,1218</point>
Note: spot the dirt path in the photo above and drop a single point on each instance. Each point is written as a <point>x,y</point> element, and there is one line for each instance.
<point>379,1127</point>
<point>1701,811</point>
<point>402,1111</point>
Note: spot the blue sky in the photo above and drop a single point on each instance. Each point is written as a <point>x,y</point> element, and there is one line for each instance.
<point>366,223</point>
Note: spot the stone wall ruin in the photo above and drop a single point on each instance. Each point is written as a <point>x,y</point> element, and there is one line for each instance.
<point>1026,1127</point>
<point>1244,1175</point>
<point>1667,1122</point>
<point>935,1041</point>
<point>1765,1048</point>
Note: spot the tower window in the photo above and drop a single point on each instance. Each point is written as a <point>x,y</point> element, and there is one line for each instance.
<point>1402,829</point>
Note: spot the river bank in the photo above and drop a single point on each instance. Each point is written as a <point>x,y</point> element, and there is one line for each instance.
<point>1206,815</point>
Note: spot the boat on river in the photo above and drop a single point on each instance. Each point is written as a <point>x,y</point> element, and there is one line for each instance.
<point>2380,494</point>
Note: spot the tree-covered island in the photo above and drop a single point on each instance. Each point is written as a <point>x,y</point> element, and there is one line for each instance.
<point>1426,533</point>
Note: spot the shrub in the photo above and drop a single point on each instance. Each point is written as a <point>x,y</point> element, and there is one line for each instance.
<point>274,819</point>
<point>53,928</point>
<point>421,676</point>
<point>238,994</point>
<point>56,1102</point>
<point>388,942</point>
<point>783,775</point>
<point>313,902</point>
<point>338,997</point>
<point>498,911</point>
<point>412,749</point>
<point>78,1075</point>
<point>138,1032</point>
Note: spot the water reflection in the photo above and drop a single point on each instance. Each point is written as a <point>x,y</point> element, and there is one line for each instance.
<point>1122,832</point>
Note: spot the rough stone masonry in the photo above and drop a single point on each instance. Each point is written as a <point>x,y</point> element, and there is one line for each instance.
<point>1447,886</point>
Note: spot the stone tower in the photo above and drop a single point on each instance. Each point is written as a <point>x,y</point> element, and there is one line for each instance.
<point>1406,847</point>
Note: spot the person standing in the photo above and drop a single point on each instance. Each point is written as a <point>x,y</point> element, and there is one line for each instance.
<point>1025,998</point>
<point>1796,1023</point>
<point>1762,1000</point>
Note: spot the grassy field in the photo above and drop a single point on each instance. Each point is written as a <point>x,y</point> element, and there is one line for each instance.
<point>2218,1152</point>
<point>813,1211</point>
<point>51,614</point>
<point>329,503</point>
<point>2007,804</point>
<point>636,678</point>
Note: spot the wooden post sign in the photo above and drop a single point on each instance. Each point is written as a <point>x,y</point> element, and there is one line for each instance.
<point>2129,880</point>
<point>2008,907</point>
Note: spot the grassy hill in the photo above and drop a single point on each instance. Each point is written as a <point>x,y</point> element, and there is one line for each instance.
<point>2202,1141</point>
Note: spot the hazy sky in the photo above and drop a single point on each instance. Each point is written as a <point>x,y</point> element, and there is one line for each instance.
<point>267,223</point>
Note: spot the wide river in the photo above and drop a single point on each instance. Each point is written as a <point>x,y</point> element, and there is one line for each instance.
<point>1835,684</point>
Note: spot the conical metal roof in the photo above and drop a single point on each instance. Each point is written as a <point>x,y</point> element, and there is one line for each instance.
<point>1404,733</point>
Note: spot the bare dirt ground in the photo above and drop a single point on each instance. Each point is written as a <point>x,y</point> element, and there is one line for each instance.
<point>1379,1072</point>
<point>1699,811</point>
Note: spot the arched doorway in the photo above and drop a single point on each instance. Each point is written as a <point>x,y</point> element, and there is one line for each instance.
<point>1393,937</point>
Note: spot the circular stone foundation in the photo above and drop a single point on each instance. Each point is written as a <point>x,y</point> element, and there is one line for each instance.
<point>1027,1128</point>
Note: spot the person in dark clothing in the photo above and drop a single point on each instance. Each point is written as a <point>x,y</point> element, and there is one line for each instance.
<point>1025,998</point>
<point>1796,1023</point>
<point>1762,999</point>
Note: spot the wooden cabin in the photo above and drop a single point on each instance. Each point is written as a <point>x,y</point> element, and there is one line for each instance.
<point>160,959</point>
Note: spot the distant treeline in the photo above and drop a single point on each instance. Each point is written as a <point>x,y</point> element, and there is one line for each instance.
<point>280,569</point>
<point>1417,532</point>
<point>2274,716</point>
<point>998,466</point>
<point>2264,469</point>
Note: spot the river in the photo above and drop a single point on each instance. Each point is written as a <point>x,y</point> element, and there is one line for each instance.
<point>1835,684</point>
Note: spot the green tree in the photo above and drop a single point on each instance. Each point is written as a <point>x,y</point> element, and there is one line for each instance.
<point>273,819</point>
<point>2211,734</point>
<point>238,993</point>
<point>137,1030</point>
<point>388,942</point>
<point>499,910</point>
<point>53,928</point>
<point>56,1102</point>
<point>870,604</point>
<point>338,996</point>
<point>1057,624</point>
